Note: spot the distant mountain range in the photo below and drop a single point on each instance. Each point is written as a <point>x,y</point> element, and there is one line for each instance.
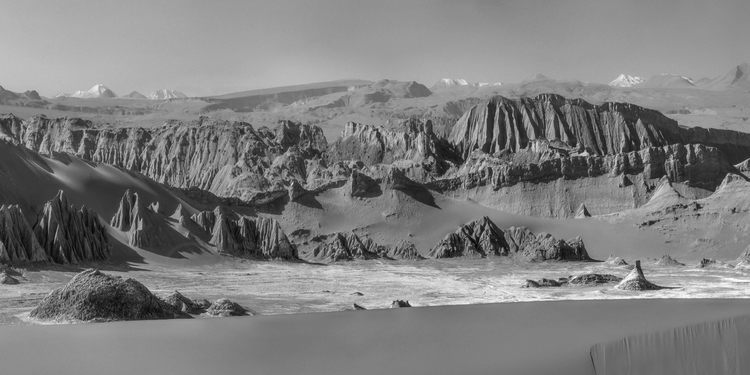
<point>102,91</point>
<point>448,83</point>
<point>736,78</point>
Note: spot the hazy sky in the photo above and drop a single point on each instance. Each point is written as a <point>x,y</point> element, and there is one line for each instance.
<point>208,47</point>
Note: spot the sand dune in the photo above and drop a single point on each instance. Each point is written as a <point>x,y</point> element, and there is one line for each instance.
<point>520,338</point>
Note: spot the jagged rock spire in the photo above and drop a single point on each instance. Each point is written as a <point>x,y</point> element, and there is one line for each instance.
<point>582,212</point>
<point>68,235</point>
<point>18,244</point>
<point>256,238</point>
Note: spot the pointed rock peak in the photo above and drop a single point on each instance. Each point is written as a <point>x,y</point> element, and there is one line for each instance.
<point>179,212</point>
<point>637,281</point>
<point>60,197</point>
<point>582,212</point>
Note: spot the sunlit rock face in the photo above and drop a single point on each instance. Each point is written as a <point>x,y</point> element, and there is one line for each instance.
<point>229,159</point>
<point>482,238</point>
<point>510,125</point>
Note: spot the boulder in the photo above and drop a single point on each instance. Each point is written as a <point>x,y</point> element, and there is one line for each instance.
<point>224,307</point>
<point>94,296</point>
<point>400,303</point>
<point>543,283</point>
<point>181,303</point>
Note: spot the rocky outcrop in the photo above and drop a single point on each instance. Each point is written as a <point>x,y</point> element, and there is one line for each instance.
<point>18,243</point>
<point>400,303</point>
<point>616,261</point>
<point>544,283</point>
<point>636,281</point>
<point>224,307</point>
<point>205,220</point>
<point>668,261</point>
<point>510,125</point>
<point>94,296</point>
<point>226,159</point>
<point>744,259</point>
<point>186,305</point>
<point>590,279</point>
<point>343,246</point>
<point>259,238</point>
<point>404,250</point>
<point>482,238</point>
<point>145,227</point>
<point>361,185</point>
<point>7,279</point>
<point>582,212</point>
<point>70,235</point>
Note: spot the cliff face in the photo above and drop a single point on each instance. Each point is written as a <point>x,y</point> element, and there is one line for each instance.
<point>414,142</point>
<point>226,159</point>
<point>506,125</point>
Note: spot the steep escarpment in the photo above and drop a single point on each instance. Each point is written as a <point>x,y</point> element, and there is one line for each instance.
<point>70,235</point>
<point>482,238</point>
<point>413,142</point>
<point>510,125</point>
<point>226,159</point>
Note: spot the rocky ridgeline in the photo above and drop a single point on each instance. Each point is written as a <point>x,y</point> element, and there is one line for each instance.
<point>482,238</point>
<point>233,234</point>
<point>350,246</point>
<point>226,159</point>
<point>61,234</point>
<point>501,124</point>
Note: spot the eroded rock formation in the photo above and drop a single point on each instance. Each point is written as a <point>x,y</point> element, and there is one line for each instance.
<point>18,243</point>
<point>223,307</point>
<point>260,237</point>
<point>637,281</point>
<point>70,235</point>
<point>145,227</point>
<point>482,238</point>
<point>511,125</point>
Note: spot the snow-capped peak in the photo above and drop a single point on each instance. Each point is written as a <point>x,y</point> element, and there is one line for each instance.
<point>460,82</point>
<point>163,94</point>
<point>625,80</point>
<point>97,91</point>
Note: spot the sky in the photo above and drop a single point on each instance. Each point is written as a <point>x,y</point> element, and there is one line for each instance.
<point>213,47</point>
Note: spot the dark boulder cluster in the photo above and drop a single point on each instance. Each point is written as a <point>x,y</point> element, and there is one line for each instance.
<point>588,279</point>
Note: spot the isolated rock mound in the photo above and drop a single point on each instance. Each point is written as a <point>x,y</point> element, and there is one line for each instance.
<point>94,296</point>
<point>582,212</point>
<point>667,260</point>
<point>68,235</point>
<point>482,238</point>
<point>544,283</point>
<point>636,281</point>
<point>616,261</point>
<point>224,307</point>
